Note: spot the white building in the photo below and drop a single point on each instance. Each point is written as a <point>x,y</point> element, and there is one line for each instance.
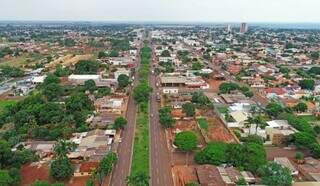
<point>80,79</point>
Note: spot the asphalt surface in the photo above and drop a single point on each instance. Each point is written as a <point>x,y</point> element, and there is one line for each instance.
<point>160,161</point>
<point>123,165</point>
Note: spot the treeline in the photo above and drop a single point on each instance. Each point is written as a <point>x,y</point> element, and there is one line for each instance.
<point>141,93</point>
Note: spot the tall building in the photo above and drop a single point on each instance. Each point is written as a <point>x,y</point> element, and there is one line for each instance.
<point>229,28</point>
<point>243,28</point>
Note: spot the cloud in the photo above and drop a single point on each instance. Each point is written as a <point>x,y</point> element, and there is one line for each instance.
<point>163,10</point>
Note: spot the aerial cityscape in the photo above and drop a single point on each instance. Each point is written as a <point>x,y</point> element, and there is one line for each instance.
<point>139,93</point>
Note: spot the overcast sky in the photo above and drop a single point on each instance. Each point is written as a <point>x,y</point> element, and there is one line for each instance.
<point>163,10</point>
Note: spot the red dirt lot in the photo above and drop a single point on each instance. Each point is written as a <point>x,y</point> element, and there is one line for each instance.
<point>273,152</point>
<point>214,84</point>
<point>30,174</point>
<point>218,132</point>
<point>184,175</point>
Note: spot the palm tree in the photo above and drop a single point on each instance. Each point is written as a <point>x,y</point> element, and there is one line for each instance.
<point>258,121</point>
<point>139,179</point>
<point>249,122</point>
<point>62,148</point>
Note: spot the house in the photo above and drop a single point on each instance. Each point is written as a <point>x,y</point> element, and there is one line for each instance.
<point>92,145</point>
<point>170,90</point>
<point>121,71</point>
<point>121,61</point>
<point>42,148</point>
<point>80,79</point>
<point>285,162</point>
<point>210,175</point>
<point>172,81</point>
<point>233,98</point>
<point>310,169</point>
<point>239,117</point>
<point>275,92</point>
<point>103,119</point>
<point>109,104</point>
<point>38,79</point>
<point>165,59</point>
<point>278,131</point>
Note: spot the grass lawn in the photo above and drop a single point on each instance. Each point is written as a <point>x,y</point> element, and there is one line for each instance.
<point>22,60</point>
<point>5,103</point>
<point>140,159</point>
<point>222,110</point>
<point>203,124</point>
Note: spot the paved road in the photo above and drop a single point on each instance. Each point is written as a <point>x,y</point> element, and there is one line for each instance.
<point>123,166</point>
<point>160,164</point>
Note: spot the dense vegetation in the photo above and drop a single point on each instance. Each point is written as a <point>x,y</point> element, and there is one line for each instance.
<point>141,93</point>
<point>248,156</point>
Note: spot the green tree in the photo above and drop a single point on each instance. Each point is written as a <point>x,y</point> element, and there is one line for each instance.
<point>197,65</point>
<point>228,87</point>
<point>213,153</point>
<point>61,168</point>
<point>8,71</point>
<point>5,178</point>
<point>78,102</point>
<point>104,91</point>
<point>51,78</point>
<point>274,109</point>
<point>307,84</point>
<point>303,139</point>
<point>45,183</point>
<point>200,99</point>
<point>301,107</point>
<point>165,117</point>
<point>107,163</point>
<point>139,179</point>
<point>62,148</point>
<point>255,156</point>
<point>274,174</point>
<point>86,67</point>
<point>120,123</point>
<point>52,91</point>
<point>315,55</point>
<point>90,85</point>
<point>123,81</point>
<point>114,53</point>
<point>102,54</point>
<point>165,53</point>
<point>241,181</point>
<point>141,92</point>
<point>5,153</point>
<point>62,71</point>
<point>186,141</point>
<point>189,109</point>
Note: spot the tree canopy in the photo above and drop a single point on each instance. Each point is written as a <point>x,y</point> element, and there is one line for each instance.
<point>141,92</point>
<point>86,67</point>
<point>120,122</point>
<point>186,141</point>
<point>165,117</point>
<point>307,84</point>
<point>274,174</point>
<point>228,87</point>
<point>189,109</point>
<point>123,81</point>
